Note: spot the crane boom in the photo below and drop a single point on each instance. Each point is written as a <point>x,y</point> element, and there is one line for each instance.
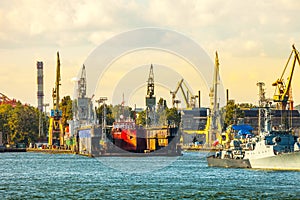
<point>173,93</point>
<point>189,100</point>
<point>55,124</point>
<point>283,90</point>
<point>185,96</point>
<point>82,83</point>
<point>55,93</point>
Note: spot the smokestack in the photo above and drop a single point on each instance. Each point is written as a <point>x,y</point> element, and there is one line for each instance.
<point>40,85</point>
<point>227,96</point>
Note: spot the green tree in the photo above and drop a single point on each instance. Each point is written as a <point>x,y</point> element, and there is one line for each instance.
<point>120,110</point>
<point>109,115</point>
<point>161,114</point>
<point>28,124</point>
<point>19,123</point>
<point>173,116</point>
<point>232,112</point>
<point>5,112</point>
<point>164,115</point>
<point>141,118</point>
<point>66,107</point>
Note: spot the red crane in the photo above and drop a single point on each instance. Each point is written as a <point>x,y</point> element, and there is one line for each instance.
<point>5,100</point>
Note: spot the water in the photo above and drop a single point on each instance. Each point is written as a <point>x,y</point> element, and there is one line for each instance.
<point>46,176</point>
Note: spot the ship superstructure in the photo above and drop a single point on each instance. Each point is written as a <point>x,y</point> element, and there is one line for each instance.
<point>130,139</point>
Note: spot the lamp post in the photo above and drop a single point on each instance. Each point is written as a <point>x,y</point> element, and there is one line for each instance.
<point>99,101</point>
<point>41,123</point>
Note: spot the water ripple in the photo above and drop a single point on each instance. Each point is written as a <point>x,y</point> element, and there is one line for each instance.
<point>44,176</point>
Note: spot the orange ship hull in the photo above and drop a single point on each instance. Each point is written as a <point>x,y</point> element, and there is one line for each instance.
<point>125,139</point>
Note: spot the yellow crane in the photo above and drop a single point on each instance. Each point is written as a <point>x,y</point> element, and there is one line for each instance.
<point>283,91</point>
<point>215,121</point>
<point>55,124</point>
<point>190,100</point>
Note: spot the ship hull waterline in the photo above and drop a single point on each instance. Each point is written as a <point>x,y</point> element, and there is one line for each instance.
<point>228,163</point>
<point>286,161</point>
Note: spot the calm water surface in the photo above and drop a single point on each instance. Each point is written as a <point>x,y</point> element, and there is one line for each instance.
<point>46,176</point>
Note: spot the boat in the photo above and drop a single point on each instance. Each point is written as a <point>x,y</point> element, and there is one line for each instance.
<point>229,152</point>
<point>274,149</point>
<point>225,159</point>
<point>126,138</point>
<point>124,135</point>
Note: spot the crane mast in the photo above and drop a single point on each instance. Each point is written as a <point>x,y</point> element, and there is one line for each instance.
<point>55,124</point>
<point>55,92</point>
<point>150,87</point>
<point>215,124</point>
<point>150,99</point>
<point>82,83</point>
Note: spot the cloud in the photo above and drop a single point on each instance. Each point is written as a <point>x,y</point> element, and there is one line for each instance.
<point>78,22</point>
<point>239,30</point>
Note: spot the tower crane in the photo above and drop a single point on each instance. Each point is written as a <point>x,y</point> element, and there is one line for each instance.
<point>150,86</point>
<point>283,91</point>
<point>214,118</point>
<point>82,83</point>
<point>188,97</point>
<point>150,98</point>
<point>55,123</point>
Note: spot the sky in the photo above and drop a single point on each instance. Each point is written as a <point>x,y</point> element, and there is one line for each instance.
<point>253,38</point>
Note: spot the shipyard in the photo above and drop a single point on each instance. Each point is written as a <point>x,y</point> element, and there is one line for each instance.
<point>153,132</point>
<point>149,99</point>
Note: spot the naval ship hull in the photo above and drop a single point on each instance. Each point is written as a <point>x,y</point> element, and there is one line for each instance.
<point>228,162</point>
<point>285,161</point>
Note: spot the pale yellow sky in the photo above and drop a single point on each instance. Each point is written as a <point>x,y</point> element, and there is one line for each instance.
<point>253,39</point>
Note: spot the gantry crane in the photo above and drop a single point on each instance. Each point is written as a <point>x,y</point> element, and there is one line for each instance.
<point>55,124</point>
<point>190,100</point>
<point>283,91</point>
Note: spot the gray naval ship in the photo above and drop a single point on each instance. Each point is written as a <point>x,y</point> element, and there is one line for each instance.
<point>271,149</point>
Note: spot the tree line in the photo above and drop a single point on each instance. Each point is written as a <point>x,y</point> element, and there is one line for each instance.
<point>19,123</point>
<point>26,124</point>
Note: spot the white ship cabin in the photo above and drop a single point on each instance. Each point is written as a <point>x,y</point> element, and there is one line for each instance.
<point>124,125</point>
<point>271,144</point>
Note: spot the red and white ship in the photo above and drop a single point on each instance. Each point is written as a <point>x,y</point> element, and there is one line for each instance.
<point>124,135</point>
